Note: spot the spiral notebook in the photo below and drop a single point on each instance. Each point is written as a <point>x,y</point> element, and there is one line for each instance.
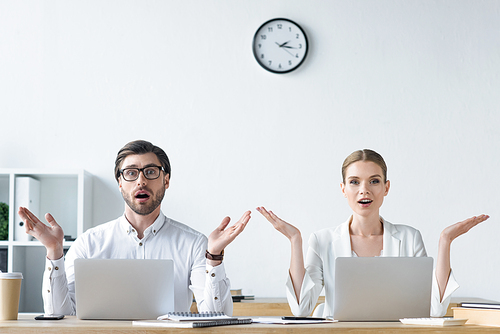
<point>195,316</point>
<point>193,320</point>
<point>191,324</point>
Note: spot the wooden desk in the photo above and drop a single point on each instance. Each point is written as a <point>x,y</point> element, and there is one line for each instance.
<point>27,325</point>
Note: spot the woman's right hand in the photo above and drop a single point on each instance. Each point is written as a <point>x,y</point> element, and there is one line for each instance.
<point>297,270</point>
<point>288,230</point>
<point>50,236</point>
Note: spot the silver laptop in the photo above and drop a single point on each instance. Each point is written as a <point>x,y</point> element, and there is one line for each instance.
<point>123,289</point>
<point>382,288</point>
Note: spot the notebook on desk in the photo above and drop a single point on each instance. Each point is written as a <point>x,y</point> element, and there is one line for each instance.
<point>123,289</point>
<point>382,288</point>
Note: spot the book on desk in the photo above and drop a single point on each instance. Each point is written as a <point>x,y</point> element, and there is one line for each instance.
<point>478,311</point>
<point>238,296</point>
<point>191,324</point>
<point>193,320</point>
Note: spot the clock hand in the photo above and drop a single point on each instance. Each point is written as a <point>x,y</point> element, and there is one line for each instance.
<point>289,52</point>
<point>289,47</point>
<point>283,45</point>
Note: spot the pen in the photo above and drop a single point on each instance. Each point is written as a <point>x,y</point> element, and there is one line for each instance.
<point>302,318</point>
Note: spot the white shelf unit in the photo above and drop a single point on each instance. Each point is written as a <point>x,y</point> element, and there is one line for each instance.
<point>67,195</point>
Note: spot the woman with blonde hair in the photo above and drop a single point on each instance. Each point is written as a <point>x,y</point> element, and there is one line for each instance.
<point>365,233</point>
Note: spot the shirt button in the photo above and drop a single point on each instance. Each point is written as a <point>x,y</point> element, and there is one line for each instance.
<point>49,268</point>
<point>154,231</point>
<point>140,243</point>
<point>216,298</point>
<point>48,291</point>
<point>206,271</point>
<point>56,268</point>
<point>213,275</point>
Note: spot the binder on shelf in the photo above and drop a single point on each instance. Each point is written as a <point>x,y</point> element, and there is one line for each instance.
<point>27,194</point>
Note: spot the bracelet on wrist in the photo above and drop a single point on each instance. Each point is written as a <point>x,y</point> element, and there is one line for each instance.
<point>214,257</point>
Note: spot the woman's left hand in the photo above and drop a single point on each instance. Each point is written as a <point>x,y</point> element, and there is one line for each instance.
<point>453,231</point>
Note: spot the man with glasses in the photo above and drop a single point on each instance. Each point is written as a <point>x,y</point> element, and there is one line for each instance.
<point>142,171</point>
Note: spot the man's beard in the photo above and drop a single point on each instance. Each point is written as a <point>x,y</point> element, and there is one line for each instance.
<point>147,208</point>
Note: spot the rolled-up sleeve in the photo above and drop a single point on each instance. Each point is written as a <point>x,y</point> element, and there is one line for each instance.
<point>312,283</point>
<point>439,306</point>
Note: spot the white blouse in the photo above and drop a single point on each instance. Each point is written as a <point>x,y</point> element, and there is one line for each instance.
<point>328,244</point>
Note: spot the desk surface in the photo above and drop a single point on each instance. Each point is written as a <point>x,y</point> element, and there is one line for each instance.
<point>27,325</point>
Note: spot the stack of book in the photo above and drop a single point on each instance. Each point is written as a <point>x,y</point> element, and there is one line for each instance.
<point>238,296</point>
<point>486,314</point>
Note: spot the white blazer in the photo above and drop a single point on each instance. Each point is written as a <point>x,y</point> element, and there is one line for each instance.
<point>328,244</point>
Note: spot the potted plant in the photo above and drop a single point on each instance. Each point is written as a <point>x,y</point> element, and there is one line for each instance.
<point>4,221</point>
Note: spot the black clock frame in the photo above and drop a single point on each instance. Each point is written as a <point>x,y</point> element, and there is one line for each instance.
<point>271,70</point>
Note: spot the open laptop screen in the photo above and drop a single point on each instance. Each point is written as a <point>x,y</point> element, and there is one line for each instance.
<point>127,289</point>
<point>382,288</point>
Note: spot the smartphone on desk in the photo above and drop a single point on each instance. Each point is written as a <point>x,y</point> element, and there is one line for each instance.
<point>50,317</point>
<point>303,318</point>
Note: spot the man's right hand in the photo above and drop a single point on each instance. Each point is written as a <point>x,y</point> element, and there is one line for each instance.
<point>50,236</point>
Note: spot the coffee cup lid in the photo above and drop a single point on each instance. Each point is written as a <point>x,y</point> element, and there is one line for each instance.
<point>11,275</point>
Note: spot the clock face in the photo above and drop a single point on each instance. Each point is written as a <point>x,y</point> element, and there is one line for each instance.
<point>280,45</point>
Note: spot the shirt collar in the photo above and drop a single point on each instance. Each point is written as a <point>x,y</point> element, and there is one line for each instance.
<point>153,228</point>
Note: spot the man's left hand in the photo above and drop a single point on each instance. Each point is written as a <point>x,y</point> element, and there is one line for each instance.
<point>221,237</point>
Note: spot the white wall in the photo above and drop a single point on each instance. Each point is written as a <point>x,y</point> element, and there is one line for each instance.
<point>417,81</point>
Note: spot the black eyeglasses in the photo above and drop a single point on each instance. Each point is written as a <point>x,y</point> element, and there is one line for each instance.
<point>150,173</point>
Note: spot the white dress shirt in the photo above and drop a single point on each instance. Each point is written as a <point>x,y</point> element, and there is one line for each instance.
<point>164,239</point>
<point>328,244</point>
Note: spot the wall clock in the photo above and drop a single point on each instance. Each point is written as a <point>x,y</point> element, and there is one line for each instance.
<point>280,45</point>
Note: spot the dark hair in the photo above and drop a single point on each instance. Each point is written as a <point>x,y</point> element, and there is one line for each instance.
<point>141,147</point>
<point>364,155</point>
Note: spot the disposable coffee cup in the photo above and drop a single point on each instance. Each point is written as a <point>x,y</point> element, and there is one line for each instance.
<point>10,291</point>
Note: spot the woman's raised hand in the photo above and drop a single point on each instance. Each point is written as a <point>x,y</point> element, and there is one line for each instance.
<point>453,231</point>
<point>288,230</point>
<point>297,270</point>
<point>443,264</point>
